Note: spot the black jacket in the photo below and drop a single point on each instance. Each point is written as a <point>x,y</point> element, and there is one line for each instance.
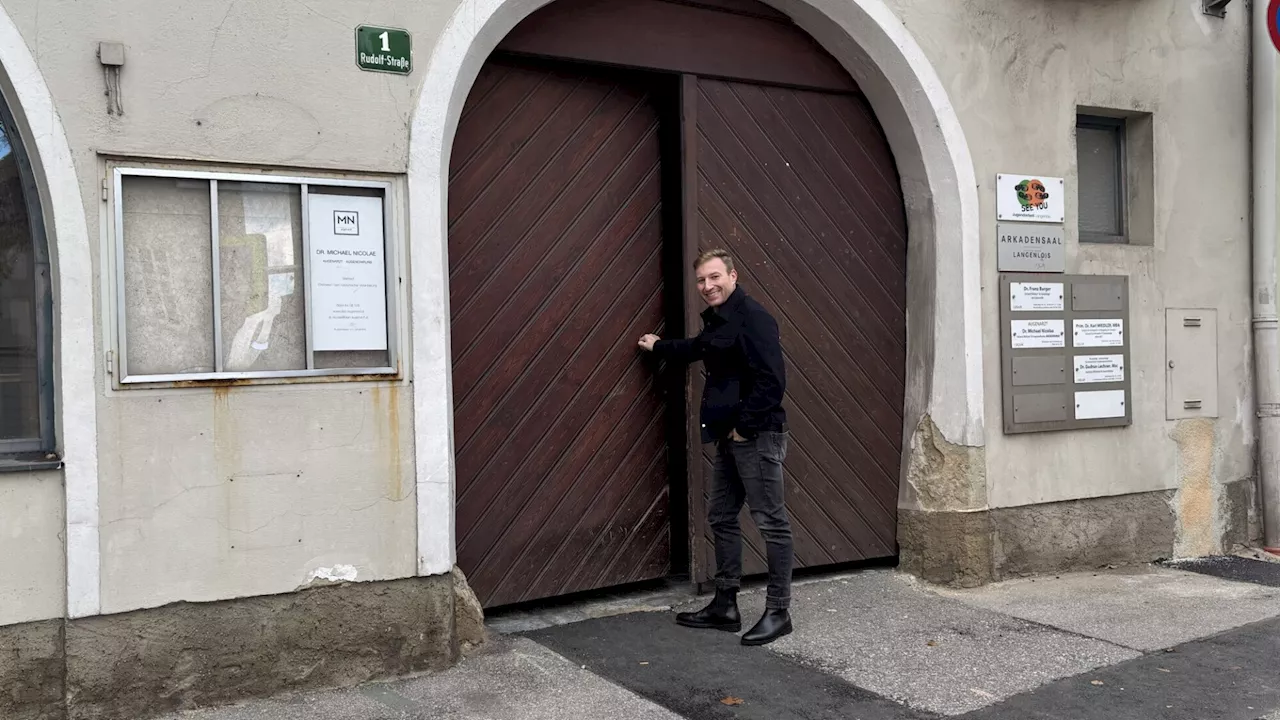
<point>740,348</point>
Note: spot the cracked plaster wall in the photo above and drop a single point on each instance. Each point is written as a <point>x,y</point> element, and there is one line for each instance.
<point>32,562</point>
<point>1016,81</point>
<point>210,495</point>
<point>274,83</point>
<point>253,491</point>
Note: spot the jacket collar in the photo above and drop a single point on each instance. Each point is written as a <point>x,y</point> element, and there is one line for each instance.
<point>727,309</point>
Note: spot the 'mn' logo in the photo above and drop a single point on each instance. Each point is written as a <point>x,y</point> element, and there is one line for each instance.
<point>346,222</point>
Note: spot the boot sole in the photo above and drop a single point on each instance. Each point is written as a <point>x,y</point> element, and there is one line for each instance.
<point>766,641</point>
<point>732,627</point>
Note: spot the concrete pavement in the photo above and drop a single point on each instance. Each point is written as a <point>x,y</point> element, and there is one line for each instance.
<point>1144,642</point>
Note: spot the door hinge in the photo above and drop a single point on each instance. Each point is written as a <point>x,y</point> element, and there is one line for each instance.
<point>104,189</point>
<point>111,362</point>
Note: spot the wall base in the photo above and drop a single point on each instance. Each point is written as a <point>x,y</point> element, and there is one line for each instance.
<point>1083,534</point>
<point>31,671</point>
<point>947,548</point>
<point>965,549</point>
<point>144,663</point>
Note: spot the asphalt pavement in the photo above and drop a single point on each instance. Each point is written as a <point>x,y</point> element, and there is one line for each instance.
<point>1161,642</point>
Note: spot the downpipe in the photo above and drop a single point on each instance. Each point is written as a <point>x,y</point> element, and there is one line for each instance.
<point>1266,326</point>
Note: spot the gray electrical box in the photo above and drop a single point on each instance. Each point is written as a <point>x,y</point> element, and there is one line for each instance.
<point>1064,352</point>
<point>1191,363</point>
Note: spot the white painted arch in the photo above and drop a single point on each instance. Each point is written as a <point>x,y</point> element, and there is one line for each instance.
<point>944,309</point>
<point>72,266</point>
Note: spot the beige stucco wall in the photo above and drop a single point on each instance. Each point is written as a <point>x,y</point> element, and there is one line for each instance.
<point>208,494</point>
<point>32,563</point>
<point>211,494</point>
<point>1016,73</point>
<point>250,491</point>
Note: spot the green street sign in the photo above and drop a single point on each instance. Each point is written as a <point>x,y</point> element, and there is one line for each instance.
<point>383,49</point>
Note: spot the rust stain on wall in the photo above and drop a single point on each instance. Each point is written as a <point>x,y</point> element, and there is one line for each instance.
<point>393,436</point>
<point>387,423</point>
<point>226,441</point>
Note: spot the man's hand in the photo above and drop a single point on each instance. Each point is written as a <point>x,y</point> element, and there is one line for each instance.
<point>647,341</point>
<point>734,436</point>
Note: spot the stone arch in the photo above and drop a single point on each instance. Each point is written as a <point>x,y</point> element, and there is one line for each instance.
<point>944,365</point>
<point>73,281</point>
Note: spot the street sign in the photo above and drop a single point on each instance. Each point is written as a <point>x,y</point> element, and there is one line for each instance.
<point>1273,22</point>
<point>382,49</point>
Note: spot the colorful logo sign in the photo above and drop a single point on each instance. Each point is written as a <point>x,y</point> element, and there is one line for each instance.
<point>1273,22</point>
<point>1032,194</point>
<point>1023,197</point>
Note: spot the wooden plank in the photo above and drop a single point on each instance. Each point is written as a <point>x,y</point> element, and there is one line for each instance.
<point>802,189</point>
<point>586,215</point>
<point>555,253</point>
<point>701,562</point>
<point>682,38</point>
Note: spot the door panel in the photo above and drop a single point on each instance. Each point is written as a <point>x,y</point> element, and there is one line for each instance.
<point>800,186</point>
<point>555,268</point>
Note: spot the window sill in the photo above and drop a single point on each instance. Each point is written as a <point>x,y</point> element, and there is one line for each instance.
<point>29,462</point>
<point>1103,239</point>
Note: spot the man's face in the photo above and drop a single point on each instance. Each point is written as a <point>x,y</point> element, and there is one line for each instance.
<point>715,282</point>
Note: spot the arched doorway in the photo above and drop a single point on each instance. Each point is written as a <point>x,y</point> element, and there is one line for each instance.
<point>37,122</point>
<point>578,192</point>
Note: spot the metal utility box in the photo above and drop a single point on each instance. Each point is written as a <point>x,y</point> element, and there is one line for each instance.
<point>1191,363</point>
<point>1064,352</point>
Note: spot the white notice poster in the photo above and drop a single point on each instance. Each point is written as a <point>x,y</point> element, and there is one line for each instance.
<point>1097,333</point>
<point>1028,334</point>
<point>1027,297</point>
<point>347,275</point>
<point>1097,404</point>
<point>1099,368</point>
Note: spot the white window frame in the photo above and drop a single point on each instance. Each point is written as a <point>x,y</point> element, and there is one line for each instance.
<point>390,251</point>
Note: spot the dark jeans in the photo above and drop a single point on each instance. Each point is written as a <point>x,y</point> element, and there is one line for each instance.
<point>752,471</point>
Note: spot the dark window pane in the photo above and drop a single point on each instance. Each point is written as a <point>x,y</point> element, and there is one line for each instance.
<point>1098,160</point>
<point>19,356</point>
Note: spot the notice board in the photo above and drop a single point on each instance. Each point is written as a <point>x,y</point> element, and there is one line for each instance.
<point>1064,352</point>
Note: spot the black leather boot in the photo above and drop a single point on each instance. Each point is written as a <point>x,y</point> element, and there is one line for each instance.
<point>720,614</point>
<point>773,625</point>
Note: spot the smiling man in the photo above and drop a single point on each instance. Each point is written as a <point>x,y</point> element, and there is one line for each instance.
<point>742,414</point>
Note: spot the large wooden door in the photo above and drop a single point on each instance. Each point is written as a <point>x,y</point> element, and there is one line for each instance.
<point>801,187</point>
<point>555,269</point>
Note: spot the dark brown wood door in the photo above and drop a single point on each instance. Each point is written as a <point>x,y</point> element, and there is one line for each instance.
<point>801,187</point>
<point>555,269</point>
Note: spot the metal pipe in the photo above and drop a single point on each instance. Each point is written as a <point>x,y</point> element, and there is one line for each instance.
<point>1266,328</point>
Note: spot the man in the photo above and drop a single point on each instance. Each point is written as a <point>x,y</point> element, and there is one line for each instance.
<point>742,414</point>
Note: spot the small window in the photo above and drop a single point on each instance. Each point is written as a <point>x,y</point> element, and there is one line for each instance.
<point>26,305</point>
<point>230,277</point>
<point>1100,159</point>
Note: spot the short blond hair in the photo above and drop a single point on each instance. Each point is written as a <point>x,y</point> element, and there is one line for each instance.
<point>717,254</point>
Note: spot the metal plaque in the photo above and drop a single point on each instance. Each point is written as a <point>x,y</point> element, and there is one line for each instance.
<point>1030,198</point>
<point>1030,248</point>
<point>1035,297</point>
<point>1037,334</point>
<point>383,49</point>
<point>1099,369</point>
<point>1064,352</point>
<point>1040,370</point>
<point>1094,405</point>
<point>1108,332</point>
<point>1096,294</point>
